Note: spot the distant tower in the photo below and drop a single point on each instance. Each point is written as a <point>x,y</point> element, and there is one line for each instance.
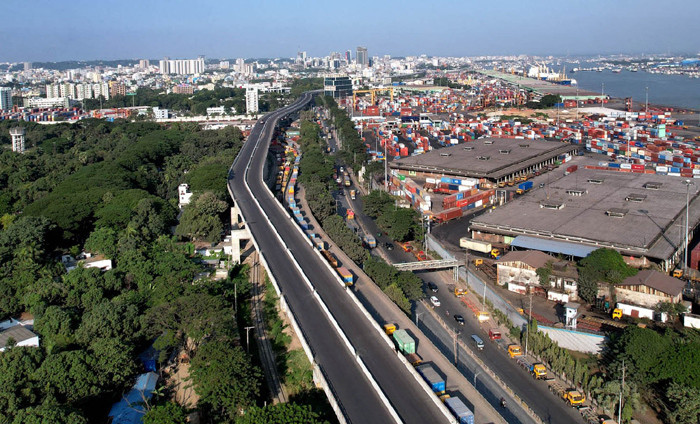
<point>17,135</point>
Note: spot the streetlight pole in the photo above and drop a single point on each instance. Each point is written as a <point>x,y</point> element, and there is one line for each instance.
<point>688,183</point>
<point>527,329</point>
<point>417,315</point>
<point>646,102</point>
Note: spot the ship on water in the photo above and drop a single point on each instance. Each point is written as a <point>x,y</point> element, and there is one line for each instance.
<point>542,72</point>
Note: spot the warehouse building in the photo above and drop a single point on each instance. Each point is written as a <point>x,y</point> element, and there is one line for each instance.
<point>639,214</point>
<point>491,160</point>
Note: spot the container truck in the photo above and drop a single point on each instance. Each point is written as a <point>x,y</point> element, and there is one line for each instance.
<point>476,245</point>
<point>414,359</point>
<point>389,329</point>
<point>524,187</point>
<point>436,383</point>
<point>330,258</point>
<point>460,410</point>
<point>515,350</point>
<point>353,194</point>
<point>404,342</point>
<point>345,275</point>
<point>350,214</point>
<point>571,169</point>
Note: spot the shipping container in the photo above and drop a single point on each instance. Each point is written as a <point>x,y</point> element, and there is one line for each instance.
<point>460,410</point>
<point>404,342</point>
<point>437,383</point>
<point>345,275</point>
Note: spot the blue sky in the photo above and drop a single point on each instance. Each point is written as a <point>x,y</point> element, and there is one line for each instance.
<point>53,30</point>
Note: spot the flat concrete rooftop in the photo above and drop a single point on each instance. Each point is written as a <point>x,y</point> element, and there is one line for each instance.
<point>651,226</point>
<point>492,158</point>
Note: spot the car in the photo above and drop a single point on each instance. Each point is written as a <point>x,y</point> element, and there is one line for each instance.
<point>434,300</point>
<point>341,192</point>
<point>433,287</point>
<point>459,319</point>
<point>389,246</point>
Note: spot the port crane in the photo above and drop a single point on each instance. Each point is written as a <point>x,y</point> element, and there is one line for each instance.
<point>372,93</point>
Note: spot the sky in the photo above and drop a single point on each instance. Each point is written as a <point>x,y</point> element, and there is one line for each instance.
<point>54,30</point>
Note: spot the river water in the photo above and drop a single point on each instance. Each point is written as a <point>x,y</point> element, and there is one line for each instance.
<point>669,90</point>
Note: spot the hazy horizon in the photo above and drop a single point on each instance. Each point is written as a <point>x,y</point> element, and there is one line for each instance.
<point>82,30</point>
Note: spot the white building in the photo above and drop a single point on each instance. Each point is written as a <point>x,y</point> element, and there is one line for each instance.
<point>21,335</point>
<point>159,113</point>
<point>183,195</point>
<point>77,91</point>
<point>182,66</point>
<point>219,110</point>
<point>5,98</point>
<point>251,100</point>
<point>17,135</point>
<point>42,103</point>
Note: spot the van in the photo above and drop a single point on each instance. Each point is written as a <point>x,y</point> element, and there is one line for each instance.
<point>477,340</point>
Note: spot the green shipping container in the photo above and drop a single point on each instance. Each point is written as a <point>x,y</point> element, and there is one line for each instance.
<point>405,342</point>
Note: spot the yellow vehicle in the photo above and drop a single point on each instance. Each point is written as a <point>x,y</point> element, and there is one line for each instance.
<point>678,273</point>
<point>539,371</point>
<point>482,316</point>
<point>495,253</point>
<point>573,397</point>
<point>511,183</point>
<point>501,184</point>
<point>460,292</point>
<point>444,397</point>
<point>414,359</point>
<point>389,329</point>
<point>617,313</point>
<point>515,350</point>
<point>478,262</point>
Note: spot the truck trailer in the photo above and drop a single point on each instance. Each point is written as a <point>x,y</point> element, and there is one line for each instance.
<point>436,383</point>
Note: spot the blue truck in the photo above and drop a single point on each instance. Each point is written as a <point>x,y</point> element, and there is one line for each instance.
<point>524,187</point>
<point>437,383</point>
<point>460,410</point>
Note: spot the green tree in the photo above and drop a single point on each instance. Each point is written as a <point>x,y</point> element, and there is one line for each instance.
<point>167,413</point>
<point>102,240</point>
<point>201,220</point>
<point>224,378</point>
<point>49,414</point>
<point>69,377</point>
<point>602,265</point>
<point>683,404</point>
<point>397,296</point>
<point>282,413</point>
<point>544,273</point>
<point>56,327</point>
<point>109,320</point>
<point>18,387</point>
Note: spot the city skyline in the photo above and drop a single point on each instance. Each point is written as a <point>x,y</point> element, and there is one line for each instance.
<point>276,29</point>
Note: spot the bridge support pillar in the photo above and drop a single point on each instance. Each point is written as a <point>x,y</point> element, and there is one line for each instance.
<point>239,232</point>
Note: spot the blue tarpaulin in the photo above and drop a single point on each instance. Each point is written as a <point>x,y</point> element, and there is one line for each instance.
<point>552,246</point>
<point>130,409</point>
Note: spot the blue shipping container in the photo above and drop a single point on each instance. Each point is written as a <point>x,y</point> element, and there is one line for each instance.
<point>437,383</point>
<point>460,410</point>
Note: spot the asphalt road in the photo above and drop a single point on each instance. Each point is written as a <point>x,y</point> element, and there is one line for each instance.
<point>535,393</point>
<point>360,402</point>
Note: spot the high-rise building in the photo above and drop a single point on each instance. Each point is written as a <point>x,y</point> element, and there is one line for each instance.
<point>251,100</point>
<point>144,63</point>
<point>17,135</point>
<point>348,56</point>
<point>27,66</point>
<point>117,89</point>
<point>361,57</point>
<point>181,66</point>
<point>224,64</point>
<point>5,98</point>
<point>337,87</point>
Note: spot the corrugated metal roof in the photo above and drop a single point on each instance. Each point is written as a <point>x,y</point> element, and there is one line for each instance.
<point>552,246</point>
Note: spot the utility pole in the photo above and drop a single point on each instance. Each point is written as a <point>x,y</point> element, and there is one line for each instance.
<point>688,183</point>
<point>527,329</point>
<point>386,181</point>
<point>455,345</point>
<point>247,338</point>
<point>622,387</point>
<point>646,103</point>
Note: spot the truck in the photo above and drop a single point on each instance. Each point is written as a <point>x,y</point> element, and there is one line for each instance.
<point>460,292</point>
<point>494,334</point>
<point>476,245</point>
<point>420,255</point>
<point>414,359</point>
<point>495,253</point>
<point>573,397</point>
<point>538,371</point>
<point>352,194</point>
<point>350,214</point>
<point>436,383</point>
<point>330,258</point>
<point>460,410</point>
<point>345,275</point>
<point>404,342</point>
<point>346,181</point>
<point>389,328</point>
<point>515,350</point>
<point>571,169</point>
<point>370,241</point>
<point>524,187</point>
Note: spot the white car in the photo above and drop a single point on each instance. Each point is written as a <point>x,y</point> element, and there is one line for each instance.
<point>434,300</point>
